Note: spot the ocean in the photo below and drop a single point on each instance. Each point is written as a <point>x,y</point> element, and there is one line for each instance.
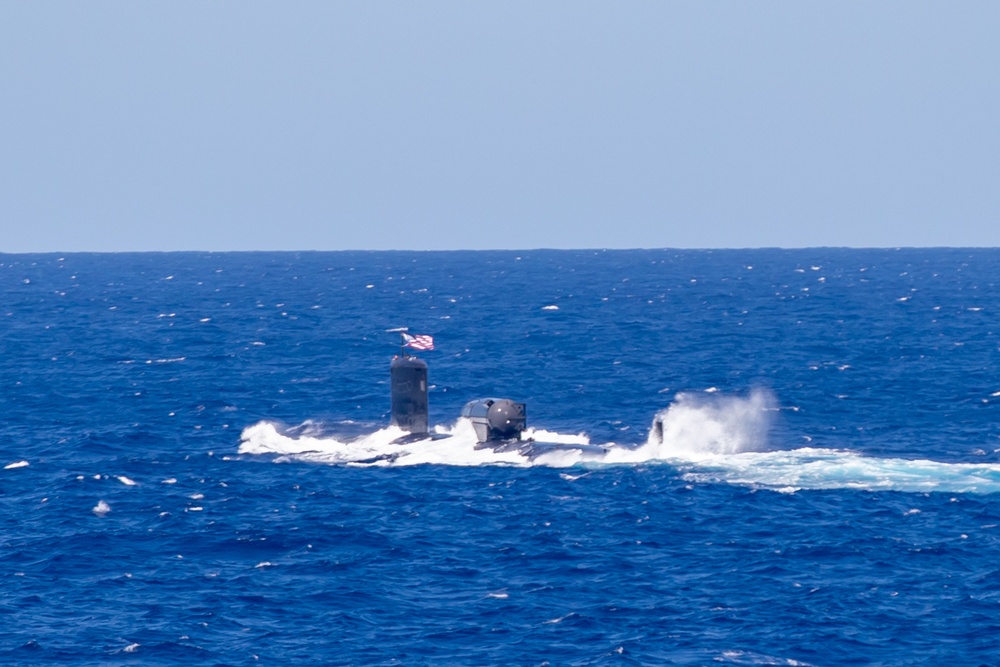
<point>197,466</point>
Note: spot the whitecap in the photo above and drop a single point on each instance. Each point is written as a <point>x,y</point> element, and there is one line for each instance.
<point>550,307</point>
<point>16,464</point>
<point>553,621</point>
<point>101,508</point>
<point>126,481</point>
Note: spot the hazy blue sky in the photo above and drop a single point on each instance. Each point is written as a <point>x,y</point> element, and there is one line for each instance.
<point>336,125</point>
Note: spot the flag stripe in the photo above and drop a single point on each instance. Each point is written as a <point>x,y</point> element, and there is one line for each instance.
<point>420,342</point>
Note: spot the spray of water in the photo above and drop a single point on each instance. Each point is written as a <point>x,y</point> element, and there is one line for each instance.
<point>698,426</point>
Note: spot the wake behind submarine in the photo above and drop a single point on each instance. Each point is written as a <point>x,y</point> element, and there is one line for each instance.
<point>499,423</point>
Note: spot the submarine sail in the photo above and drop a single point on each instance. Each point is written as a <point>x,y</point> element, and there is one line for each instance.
<point>408,389</point>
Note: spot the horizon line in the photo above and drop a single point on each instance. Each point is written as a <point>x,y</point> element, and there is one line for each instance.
<point>534,249</point>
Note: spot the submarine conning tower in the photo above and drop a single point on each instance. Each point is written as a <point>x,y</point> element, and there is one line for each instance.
<point>496,418</point>
<point>408,391</point>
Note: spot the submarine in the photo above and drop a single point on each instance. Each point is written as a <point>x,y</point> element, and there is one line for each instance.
<point>499,423</point>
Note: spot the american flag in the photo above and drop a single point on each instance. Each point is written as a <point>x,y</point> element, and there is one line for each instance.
<point>421,342</point>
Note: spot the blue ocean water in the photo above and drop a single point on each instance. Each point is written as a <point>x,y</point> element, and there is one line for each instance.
<point>193,461</point>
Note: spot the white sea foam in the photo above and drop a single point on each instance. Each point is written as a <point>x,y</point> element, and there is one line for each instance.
<point>708,438</point>
<point>810,468</point>
<point>376,448</point>
<point>126,481</point>
<point>16,464</point>
<point>750,658</point>
<point>101,508</point>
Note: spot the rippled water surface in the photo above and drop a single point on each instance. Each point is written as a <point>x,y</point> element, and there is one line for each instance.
<point>196,465</point>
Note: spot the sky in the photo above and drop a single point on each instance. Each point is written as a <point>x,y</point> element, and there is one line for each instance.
<point>242,125</point>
